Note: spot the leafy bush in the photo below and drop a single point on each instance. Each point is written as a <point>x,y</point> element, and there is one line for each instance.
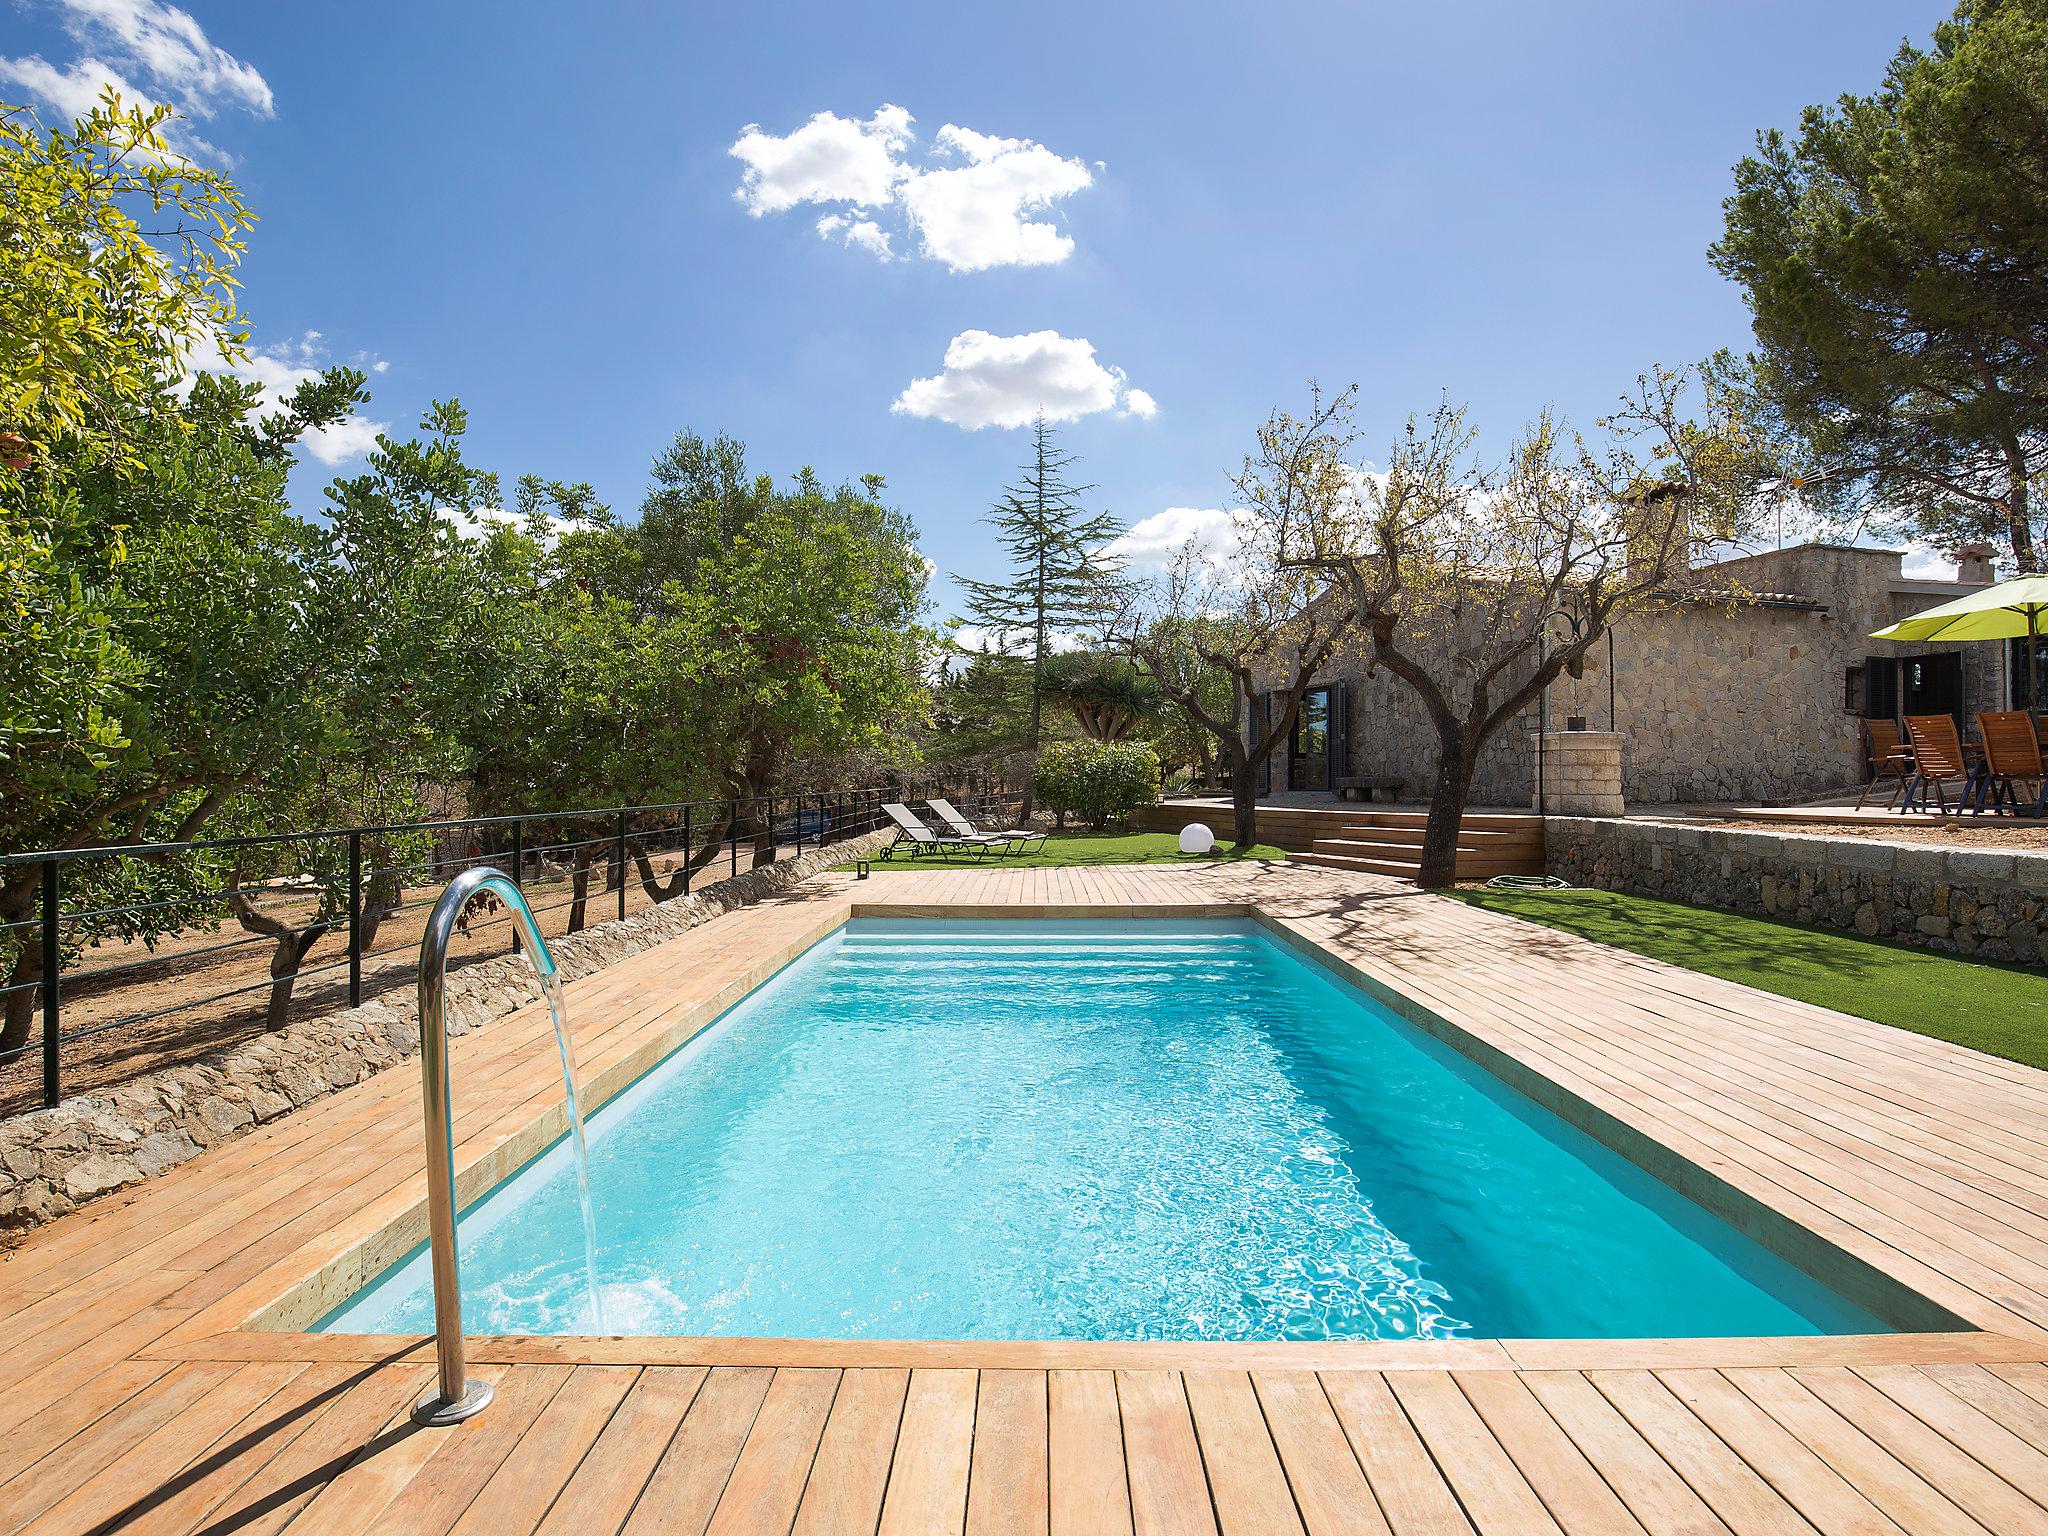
<point>1098,781</point>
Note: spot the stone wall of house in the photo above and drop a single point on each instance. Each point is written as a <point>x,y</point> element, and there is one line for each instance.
<point>1970,900</point>
<point>54,1160</point>
<point>1715,701</point>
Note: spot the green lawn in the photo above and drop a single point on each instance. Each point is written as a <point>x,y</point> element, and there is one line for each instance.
<point>2002,1009</point>
<point>1065,850</point>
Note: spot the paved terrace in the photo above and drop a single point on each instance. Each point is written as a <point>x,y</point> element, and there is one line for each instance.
<point>133,1396</point>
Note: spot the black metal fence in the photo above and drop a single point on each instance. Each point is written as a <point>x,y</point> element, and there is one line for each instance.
<point>121,956</point>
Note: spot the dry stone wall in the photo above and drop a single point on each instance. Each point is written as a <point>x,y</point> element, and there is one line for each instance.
<point>54,1160</point>
<point>1970,900</point>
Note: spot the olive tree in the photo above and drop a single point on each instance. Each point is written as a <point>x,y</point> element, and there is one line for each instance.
<point>1233,639</point>
<point>1456,566</point>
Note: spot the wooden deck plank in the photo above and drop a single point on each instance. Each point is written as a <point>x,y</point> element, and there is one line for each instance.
<point>518,1495</point>
<point>1655,1494</point>
<point>1877,1475</point>
<point>471,1453</point>
<point>1008,1491</point>
<point>608,1481</point>
<point>1976,1489</point>
<point>1745,1503</point>
<point>1246,1481</point>
<point>1496,1497</point>
<point>179,1503</point>
<point>690,1478</point>
<point>851,1469</point>
<point>768,1480</point>
<point>1169,1488</point>
<point>1574,1492</point>
<point>1405,1479</point>
<point>1329,1488</point>
<point>1087,1483</point>
<point>927,1492</point>
<point>371,1413</point>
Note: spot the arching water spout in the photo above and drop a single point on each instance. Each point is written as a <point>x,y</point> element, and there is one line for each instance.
<point>456,1397</point>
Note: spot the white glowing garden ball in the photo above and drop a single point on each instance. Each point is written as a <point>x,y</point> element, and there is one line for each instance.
<point>1196,838</point>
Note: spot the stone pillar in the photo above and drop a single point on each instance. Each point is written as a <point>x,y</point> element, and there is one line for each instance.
<point>1581,772</point>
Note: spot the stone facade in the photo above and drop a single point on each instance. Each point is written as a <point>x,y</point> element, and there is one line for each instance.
<point>1973,901</point>
<point>1734,690</point>
<point>54,1160</point>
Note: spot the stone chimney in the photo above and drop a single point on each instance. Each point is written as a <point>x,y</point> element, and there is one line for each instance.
<point>1973,565</point>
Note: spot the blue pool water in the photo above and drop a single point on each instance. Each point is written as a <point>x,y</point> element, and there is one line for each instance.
<point>1128,1130</point>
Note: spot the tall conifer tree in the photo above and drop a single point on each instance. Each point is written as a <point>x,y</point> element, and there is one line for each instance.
<point>1061,580</point>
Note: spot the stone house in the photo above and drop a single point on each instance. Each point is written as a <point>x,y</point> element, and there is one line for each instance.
<point>1748,679</point>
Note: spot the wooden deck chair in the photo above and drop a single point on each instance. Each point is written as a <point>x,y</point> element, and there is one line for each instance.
<point>1938,761</point>
<point>1887,758</point>
<point>2012,758</point>
<point>1021,840</point>
<point>919,838</point>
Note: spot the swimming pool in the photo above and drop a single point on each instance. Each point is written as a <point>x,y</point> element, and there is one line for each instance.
<point>1099,1130</point>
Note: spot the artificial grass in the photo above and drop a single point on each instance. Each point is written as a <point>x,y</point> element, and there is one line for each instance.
<point>1986,1005</point>
<point>1067,850</point>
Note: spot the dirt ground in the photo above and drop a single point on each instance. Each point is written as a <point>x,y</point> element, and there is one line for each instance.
<point>2006,832</point>
<point>205,989</point>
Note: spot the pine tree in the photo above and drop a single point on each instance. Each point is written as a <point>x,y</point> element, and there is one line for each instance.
<point>1060,578</point>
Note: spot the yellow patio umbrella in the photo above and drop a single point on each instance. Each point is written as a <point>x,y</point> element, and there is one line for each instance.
<point>2012,610</point>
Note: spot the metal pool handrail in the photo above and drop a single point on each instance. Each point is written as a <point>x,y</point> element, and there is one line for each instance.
<point>456,1397</point>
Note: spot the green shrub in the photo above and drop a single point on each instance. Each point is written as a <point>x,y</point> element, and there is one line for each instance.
<point>1098,781</point>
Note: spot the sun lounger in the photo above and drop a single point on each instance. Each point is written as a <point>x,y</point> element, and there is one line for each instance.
<point>919,838</point>
<point>1021,839</point>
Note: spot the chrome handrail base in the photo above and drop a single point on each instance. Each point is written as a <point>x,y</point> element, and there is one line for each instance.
<point>433,1409</point>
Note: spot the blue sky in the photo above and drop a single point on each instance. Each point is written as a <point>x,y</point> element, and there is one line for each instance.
<point>536,208</point>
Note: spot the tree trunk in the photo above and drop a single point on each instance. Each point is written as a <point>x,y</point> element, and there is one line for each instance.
<point>1447,799</point>
<point>291,947</point>
<point>17,902</point>
<point>579,886</point>
<point>1244,807</point>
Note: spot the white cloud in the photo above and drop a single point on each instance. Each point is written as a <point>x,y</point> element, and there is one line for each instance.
<point>1139,403</point>
<point>1005,381</point>
<point>150,52</point>
<point>865,233</point>
<point>476,523</point>
<point>1924,562</point>
<point>831,159</point>
<point>71,91</point>
<point>1155,542</point>
<point>974,203</point>
<point>282,369</point>
<point>973,216</point>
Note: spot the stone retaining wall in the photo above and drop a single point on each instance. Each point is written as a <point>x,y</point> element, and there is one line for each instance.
<point>54,1160</point>
<point>1974,901</point>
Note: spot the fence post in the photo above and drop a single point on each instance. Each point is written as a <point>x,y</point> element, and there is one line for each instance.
<point>733,836</point>
<point>53,957</point>
<point>355,919</point>
<point>686,850</point>
<point>619,861</point>
<point>518,868</point>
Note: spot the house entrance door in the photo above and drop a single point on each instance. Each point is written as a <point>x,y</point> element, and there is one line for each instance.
<point>1308,764</point>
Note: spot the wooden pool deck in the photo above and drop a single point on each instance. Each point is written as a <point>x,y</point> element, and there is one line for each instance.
<point>134,1397</point>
